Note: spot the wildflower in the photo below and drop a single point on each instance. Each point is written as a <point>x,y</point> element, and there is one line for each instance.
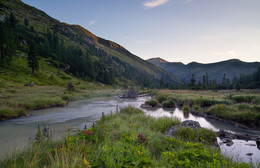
<point>87,133</point>
<point>141,138</point>
<point>140,153</point>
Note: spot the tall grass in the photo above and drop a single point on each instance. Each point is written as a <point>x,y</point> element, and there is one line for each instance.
<point>20,91</point>
<point>244,113</point>
<point>126,139</point>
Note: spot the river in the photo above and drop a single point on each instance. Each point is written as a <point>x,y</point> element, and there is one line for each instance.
<point>15,133</point>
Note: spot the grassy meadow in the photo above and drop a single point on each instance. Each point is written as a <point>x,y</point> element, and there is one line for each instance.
<point>241,106</point>
<point>21,92</point>
<point>128,138</point>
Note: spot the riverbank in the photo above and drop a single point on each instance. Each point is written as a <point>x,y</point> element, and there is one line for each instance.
<point>21,91</point>
<point>128,138</point>
<point>242,107</point>
<point>20,100</point>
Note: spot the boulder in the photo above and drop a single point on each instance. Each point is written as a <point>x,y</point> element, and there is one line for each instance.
<point>258,143</point>
<point>146,106</point>
<point>191,124</point>
<point>188,123</point>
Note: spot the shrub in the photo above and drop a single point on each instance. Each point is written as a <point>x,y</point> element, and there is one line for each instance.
<point>152,102</point>
<point>186,108</point>
<point>70,87</point>
<point>168,103</point>
<point>161,98</point>
<point>197,135</point>
<point>196,107</point>
<point>243,98</point>
<point>131,110</point>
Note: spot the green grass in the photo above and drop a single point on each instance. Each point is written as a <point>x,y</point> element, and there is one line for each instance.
<point>128,138</point>
<point>168,103</point>
<point>186,108</point>
<point>244,98</point>
<point>201,135</point>
<point>152,102</point>
<point>21,92</point>
<point>243,113</point>
<point>196,107</point>
<point>223,104</point>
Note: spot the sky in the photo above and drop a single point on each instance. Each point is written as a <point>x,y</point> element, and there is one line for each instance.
<point>204,31</point>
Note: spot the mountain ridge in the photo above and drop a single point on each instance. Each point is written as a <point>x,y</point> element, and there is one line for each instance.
<point>121,61</point>
<point>215,70</point>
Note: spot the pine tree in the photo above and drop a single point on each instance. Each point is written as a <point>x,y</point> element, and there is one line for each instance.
<point>237,85</point>
<point>7,44</point>
<point>193,80</point>
<point>26,22</point>
<point>11,21</point>
<point>162,84</point>
<point>33,61</point>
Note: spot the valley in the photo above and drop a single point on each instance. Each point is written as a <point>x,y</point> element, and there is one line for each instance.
<point>69,98</point>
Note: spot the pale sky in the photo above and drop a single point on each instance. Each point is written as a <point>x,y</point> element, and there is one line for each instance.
<point>176,30</point>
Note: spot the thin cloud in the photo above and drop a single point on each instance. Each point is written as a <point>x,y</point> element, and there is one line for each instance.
<point>154,3</point>
<point>91,23</point>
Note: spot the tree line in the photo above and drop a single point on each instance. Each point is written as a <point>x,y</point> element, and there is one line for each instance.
<point>249,81</point>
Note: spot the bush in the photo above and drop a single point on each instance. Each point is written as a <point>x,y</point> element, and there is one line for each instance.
<point>204,102</point>
<point>243,98</point>
<point>131,110</point>
<point>152,102</point>
<point>196,107</point>
<point>186,108</point>
<point>161,98</point>
<point>198,135</point>
<point>70,87</point>
<point>169,103</point>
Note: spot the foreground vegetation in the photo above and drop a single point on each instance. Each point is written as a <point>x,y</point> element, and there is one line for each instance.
<point>128,138</point>
<point>241,106</point>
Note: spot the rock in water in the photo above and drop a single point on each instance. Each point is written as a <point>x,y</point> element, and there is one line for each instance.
<point>258,143</point>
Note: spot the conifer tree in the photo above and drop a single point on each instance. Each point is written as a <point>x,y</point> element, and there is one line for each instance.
<point>33,61</point>
<point>7,44</point>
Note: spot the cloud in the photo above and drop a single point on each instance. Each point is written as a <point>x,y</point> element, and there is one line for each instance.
<point>154,3</point>
<point>91,23</point>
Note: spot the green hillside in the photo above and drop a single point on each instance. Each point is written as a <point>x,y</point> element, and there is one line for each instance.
<point>46,63</point>
<point>77,51</point>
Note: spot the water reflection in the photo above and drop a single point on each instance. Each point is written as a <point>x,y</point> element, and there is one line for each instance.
<point>82,113</point>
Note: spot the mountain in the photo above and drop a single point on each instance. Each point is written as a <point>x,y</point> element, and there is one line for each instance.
<point>74,49</point>
<point>216,71</point>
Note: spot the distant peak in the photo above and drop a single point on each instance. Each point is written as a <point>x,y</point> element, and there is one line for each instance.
<point>157,60</point>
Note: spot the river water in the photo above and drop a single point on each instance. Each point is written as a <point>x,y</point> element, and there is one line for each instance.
<point>15,133</point>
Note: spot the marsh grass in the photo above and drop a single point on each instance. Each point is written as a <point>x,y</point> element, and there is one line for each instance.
<point>244,113</point>
<point>186,108</point>
<point>152,102</point>
<point>208,98</point>
<point>196,107</point>
<point>126,139</point>
<point>168,104</point>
